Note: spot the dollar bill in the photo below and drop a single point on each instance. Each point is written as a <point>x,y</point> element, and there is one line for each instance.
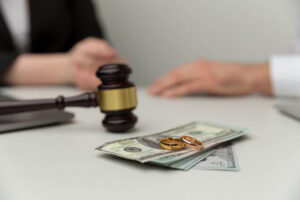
<point>188,163</point>
<point>147,148</point>
<point>183,164</point>
<point>224,158</point>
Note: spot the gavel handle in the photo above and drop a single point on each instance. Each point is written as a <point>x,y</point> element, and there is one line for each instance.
<point>88,99</point>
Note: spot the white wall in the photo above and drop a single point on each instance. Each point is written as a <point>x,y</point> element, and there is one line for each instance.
<point>157,35</point>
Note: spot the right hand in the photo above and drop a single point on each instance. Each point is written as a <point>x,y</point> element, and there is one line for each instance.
<point>218,78</point>
<point>86,57</point>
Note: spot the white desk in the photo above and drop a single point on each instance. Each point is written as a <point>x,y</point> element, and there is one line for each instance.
<point>60,162</point>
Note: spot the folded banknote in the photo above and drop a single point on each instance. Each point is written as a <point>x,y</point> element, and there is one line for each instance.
<point>147,148</point>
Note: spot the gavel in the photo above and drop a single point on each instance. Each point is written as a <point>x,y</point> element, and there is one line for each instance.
<point>116,97</point>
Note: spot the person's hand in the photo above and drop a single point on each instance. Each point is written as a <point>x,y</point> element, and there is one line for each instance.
<point>86,57</point>
<point>214,78</point>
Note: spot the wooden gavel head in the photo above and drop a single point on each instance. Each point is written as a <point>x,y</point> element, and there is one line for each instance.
<point>116,97</point>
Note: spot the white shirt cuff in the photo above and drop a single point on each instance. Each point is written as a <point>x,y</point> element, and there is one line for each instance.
<point>285,75</point>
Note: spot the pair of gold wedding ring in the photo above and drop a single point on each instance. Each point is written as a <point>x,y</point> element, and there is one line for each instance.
<point>180,143</point>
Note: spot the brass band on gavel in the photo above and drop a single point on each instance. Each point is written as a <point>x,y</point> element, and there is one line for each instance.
<point>117,99</point>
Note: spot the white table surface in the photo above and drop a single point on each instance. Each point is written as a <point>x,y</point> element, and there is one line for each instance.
<point>59,162</point>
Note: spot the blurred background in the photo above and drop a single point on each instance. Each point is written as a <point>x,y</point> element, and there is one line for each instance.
<point>158,35</point>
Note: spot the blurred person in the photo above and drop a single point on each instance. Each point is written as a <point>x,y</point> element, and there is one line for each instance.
<point>51,42</point>
<point>280,76</point>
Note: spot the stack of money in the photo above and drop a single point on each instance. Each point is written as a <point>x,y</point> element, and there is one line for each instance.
<point>214,153</point>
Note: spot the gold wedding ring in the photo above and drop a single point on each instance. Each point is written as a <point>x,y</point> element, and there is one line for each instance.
<point>171,143</point>
<point>192,142</point>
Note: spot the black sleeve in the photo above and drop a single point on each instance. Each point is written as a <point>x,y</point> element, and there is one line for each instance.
<point>7,52</point>
<point>6,60</point>
<point>85,20</point>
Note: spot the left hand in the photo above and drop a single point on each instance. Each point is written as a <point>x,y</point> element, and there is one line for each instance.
<point>86,57</point>
<point>214,78</point>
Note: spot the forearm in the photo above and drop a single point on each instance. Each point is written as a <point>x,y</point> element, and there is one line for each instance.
<point>42,69</point>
